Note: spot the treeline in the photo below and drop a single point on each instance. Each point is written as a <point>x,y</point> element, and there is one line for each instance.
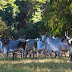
<point>34,17</point>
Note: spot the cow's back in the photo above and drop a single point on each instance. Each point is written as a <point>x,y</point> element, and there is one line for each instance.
<point>13,44</point>
<point>30,44</point>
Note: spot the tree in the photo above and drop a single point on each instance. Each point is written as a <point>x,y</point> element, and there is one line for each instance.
<point>57,17</point>
<point>3,28</point>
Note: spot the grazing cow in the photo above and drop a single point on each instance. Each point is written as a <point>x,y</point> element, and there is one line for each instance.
<point>31,46</point>
<point>12,46</point>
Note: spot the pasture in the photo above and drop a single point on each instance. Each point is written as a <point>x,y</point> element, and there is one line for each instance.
<point>40,64</point>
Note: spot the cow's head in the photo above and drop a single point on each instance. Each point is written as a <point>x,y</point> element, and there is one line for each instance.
<point>67,39</point>
<point>64,39</point>
<point>4,40</point>
<point>43,37</point>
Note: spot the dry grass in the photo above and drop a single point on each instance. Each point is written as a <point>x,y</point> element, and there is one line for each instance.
<point>40,64</point>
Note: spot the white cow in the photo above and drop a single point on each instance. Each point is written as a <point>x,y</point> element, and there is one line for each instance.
<point>68,41</point>
<point>31,46</point>
<point>47,46</point>
<point>40,47</point>
<point>53,44</point>
<point>43,46</point>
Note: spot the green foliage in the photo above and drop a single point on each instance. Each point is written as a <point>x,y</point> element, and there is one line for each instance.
<point>25,9</point>
<point>32,17</point>
<point>57,16</point>
<point>3,27</point>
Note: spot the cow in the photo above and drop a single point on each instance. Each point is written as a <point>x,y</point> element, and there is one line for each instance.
<point>68,41</point>
<point>31,46</point>
<point>12,46</point>
<point>42,46</point>
<point>58,45</point>
<point>59,41</point>
<point>55,47</point>
<point>47,46</point>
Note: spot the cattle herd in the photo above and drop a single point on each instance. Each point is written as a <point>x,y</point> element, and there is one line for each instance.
<point>45,44</point>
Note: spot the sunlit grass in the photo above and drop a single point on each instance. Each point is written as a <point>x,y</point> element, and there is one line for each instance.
<point>40,64</point>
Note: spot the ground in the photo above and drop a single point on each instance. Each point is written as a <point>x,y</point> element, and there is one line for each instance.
<point>40,64</point>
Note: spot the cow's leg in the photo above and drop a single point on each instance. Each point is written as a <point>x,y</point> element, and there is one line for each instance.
<point>55,54</point>
<point>51,53</point>
<point>33,53</point>
<point>23,53</point>
<point>71,57</point>
<point>47,52</point>
<point>37,53</point>
<point>30,54</point>
<point>7,54</point>
<point>41,53</point>
<point>13,55</point>
<point>26,54</point>
<point>69,52</point>
<point>59,54</point>
<point>65,54</point>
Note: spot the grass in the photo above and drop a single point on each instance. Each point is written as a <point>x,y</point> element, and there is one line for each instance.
<point>40,64</point>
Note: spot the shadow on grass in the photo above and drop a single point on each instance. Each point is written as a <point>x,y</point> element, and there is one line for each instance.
<point>18,64</point>
<point>31,58</point>
<point>50,65</point>
<point>31,67</point>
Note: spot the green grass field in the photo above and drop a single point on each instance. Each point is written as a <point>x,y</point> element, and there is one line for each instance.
<point>40,64</point>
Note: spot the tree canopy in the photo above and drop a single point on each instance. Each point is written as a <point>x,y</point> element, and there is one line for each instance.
<point>32,17</point>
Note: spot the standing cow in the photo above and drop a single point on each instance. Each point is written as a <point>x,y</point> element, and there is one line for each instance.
<point>43,46</point>
<point>31,46</point>
<point>12,46</point>
<point>47,46</point>
<point>55,47</point>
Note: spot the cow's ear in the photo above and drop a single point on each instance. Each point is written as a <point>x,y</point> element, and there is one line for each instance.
<point>40,39</point>
<point>46,35</point>
<point>65,37</point>
<point>45,38</point>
